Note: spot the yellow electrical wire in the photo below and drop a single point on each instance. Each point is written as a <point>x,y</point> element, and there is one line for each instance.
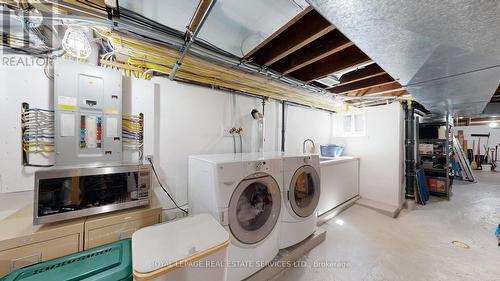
<point>147,56</point>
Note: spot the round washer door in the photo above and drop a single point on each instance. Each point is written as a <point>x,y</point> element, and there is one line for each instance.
<point>254,208</point>
<point>304,191</point>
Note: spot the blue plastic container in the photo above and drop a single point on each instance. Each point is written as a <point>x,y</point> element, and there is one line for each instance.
<point>332,150</point>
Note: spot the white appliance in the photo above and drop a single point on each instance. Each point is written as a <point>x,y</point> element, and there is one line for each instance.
<point>301,193</point>
<point>242,191</point>
<point>173,251</point>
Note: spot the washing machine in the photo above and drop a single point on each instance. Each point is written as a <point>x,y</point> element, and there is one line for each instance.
<point>301,192</point>
<point>243,192</point>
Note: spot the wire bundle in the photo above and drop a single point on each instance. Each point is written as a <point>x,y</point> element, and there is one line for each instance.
<point>144,59</point>
<point>37,130</point>
<point>132,132</point>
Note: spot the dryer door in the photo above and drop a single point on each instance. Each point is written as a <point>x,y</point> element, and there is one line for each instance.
<point>304,191</point>
<point>254,208</point>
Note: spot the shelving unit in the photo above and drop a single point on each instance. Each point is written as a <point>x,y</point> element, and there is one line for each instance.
<point>435,150</point>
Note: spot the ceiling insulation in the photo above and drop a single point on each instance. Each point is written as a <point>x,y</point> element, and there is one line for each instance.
<point>446,53</point>
<point>234,26</point>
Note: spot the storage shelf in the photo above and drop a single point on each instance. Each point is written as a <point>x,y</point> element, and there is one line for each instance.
<point>432,155</point>
<point>438,193</point>
<point>432,140</point>
<point>441,170</point>
<point>431,128</point>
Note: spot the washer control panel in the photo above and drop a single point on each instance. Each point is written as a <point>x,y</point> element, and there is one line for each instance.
<point>307,160</point>
<point>261,166</point>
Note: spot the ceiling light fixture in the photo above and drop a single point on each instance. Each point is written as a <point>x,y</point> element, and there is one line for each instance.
<point>76,43</point>
<point>493,125</point>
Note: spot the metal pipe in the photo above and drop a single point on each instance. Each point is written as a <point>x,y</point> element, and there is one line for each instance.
<point>410,174</point>
<point>192,37</point>
<point>175,42</point>
<point>304,145</point>
<point>263,126</point>
<point>283,124</point>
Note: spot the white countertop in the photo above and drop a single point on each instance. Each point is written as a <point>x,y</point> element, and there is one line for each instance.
<point>326,161</point>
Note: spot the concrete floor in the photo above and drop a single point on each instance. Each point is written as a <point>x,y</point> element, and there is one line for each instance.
<point>415,246</point>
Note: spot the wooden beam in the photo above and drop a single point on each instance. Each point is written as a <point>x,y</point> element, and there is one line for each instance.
<point>278,32</point>
<point>198,15</point>
<point>308,28</point>
<point>357,102</point>
<point>362,84</point>
<point>349,57</point>
<point>329,44</point>
<point>373,91</point>
<point>366,72</point>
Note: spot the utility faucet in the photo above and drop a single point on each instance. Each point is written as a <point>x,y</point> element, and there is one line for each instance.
<point>304,145</point>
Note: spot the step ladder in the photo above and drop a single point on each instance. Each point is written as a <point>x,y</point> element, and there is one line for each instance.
<point>462,161</point>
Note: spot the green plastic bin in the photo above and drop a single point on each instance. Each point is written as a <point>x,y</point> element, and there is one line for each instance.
<point>112,262</point>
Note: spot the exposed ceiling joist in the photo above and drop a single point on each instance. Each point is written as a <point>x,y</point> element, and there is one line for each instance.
<point>331,43</point>
<point>369,71</point>
<point>278,32</point>
<point>346,58</point>
<point>496,96</point>
<point>371,102</point>
<point>373,91</point>
<point>308,28</point>
<point>198,16</point>
<point>362,84</point>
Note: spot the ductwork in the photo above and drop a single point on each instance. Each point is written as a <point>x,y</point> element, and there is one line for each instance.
<point>446,53</point>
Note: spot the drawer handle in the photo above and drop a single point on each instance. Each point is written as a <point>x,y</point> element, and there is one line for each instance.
<point>13,261</point>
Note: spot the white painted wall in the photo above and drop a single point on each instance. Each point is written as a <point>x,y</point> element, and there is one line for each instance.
<point>19,85</point>
<point>189,120</point>
<point>303,123</point>
<point>480,129</point>
<point>381,154</point>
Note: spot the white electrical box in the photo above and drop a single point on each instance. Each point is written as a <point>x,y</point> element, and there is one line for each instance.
<point>88,113</point>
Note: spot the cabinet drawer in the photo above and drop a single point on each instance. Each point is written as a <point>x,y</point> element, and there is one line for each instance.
<point>16,258</point>
<point>112,233</point>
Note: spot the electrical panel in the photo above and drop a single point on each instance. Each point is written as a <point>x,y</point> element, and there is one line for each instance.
<point>88,113</point>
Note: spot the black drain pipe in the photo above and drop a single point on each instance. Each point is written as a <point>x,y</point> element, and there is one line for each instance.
<point>283,123</point>
<point>410,150</point>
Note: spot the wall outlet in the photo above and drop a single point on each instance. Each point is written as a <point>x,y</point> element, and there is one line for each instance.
<point>149,158</point>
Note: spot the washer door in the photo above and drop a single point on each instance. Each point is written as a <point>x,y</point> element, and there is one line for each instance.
<point>304,191</point>
<point>254,208</point>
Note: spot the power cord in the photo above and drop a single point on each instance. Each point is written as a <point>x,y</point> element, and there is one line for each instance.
<point>164,190</point>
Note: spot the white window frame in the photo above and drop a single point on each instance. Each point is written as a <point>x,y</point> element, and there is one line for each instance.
<point>352,132</point>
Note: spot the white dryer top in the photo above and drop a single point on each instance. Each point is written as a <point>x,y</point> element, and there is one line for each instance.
<point>165,245</point>
<point>237,157</point>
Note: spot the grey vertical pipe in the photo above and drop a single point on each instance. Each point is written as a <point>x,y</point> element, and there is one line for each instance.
<point>410,174</point>
<point>283,124</point>
<point>188,44</point>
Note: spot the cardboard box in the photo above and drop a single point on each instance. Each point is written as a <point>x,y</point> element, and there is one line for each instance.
<point>440,185</point>
<point>425,148</point>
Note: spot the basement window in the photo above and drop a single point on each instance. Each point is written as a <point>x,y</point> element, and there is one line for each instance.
<point>353,124</point>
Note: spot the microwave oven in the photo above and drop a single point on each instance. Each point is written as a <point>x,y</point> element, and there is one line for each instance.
<point>68,193</point>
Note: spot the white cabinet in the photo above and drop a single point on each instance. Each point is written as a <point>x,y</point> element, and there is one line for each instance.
<point>339,182</point>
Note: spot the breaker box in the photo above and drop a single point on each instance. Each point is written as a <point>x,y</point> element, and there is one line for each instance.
<point>88,113</point>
